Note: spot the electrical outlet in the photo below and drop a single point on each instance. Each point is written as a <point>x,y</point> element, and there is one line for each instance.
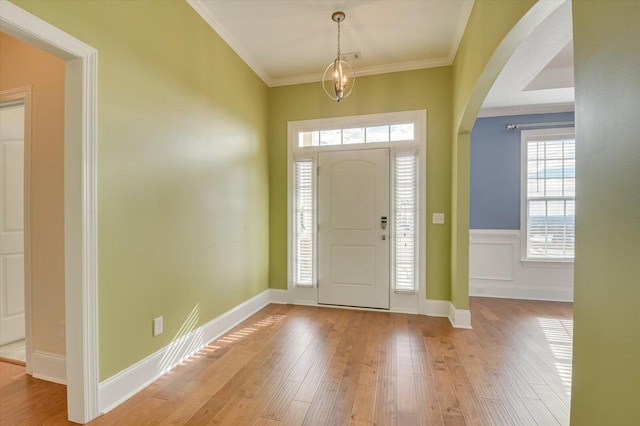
<point>438,218</point>
<point>157,326</point>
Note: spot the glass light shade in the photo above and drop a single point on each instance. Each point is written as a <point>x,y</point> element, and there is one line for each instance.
<point>338,79</point>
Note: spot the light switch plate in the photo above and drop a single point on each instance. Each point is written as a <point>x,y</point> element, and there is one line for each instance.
<point>157,326</point>
<point>438,218</point>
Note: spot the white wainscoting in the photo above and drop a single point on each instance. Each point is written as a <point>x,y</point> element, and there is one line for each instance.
<point>496,270</point>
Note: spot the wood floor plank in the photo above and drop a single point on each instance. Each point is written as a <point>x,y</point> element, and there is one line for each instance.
<point>296,413</point>
<point>370,362</point>
<point>385,409</point>
<point>470,405</point>
<point>513,403</point>
<point>321,405</point>
<point>497,413</point>
<point>278,407</point>
<point>447,397</point>
<point>363,405</point>
<point>428,407</point>
<point>554,404</point>
<point>292,365</point>
<point>540,412</point>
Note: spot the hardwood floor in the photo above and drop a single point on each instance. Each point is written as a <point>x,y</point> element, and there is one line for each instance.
<point>295,365</point>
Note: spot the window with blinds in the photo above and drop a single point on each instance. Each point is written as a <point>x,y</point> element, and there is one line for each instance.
<point>550,196</point>
<point>405,236</point>
<point>303,227</point>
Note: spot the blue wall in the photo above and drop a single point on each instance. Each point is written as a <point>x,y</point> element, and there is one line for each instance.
<point>495,170</point>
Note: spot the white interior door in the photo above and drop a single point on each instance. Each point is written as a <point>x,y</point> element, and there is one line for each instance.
<point>353,242</point>
<point>11,223</point>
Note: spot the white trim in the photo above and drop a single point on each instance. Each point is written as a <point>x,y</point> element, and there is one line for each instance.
<point>361,72</point>
<point>435,308</point>
<point>24,95</point>
<point>459,318</point>
<point>502,290</point>
<point>117,389</point>
<point>277,295</point>
<point>81,275</point>
<point>526,109</point>
<point>49,367</point>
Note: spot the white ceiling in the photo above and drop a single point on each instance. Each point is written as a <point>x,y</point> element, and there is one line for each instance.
<point>292,41</point>
<point>289,42</point>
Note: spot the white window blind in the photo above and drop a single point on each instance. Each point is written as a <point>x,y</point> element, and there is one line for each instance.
<point>405,241</point>
<point>303,223</point>
<point>551,185</point>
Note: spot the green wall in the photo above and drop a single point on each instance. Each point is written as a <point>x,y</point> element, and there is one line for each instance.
<point>494,30</point>
<point>606,374</point>
<point>182,171</point>
<point>428,89</point>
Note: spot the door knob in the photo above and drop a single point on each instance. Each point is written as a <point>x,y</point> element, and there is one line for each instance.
<point>384,237</point>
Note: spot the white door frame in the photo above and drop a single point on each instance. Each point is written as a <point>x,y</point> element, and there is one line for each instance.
<point>399,301</point>
<point>80,188</point>
<point>23,95</point>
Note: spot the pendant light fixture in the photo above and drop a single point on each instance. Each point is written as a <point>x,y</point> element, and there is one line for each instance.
<point>338,79</point>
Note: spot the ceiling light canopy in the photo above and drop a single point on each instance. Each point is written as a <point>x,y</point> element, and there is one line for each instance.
<point>338,78</point>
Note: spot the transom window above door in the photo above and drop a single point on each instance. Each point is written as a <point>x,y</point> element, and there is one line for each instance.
<point>357,135</point>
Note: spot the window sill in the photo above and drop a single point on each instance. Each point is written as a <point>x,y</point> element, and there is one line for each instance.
<point>407,292</point>
<point>303,285</point>
<point>547,263</point>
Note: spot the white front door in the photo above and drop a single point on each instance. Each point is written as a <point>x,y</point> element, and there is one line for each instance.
<point>11,223</point>
<point>353,237</point>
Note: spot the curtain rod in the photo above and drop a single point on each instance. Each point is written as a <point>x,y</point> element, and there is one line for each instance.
<point>511,126</point>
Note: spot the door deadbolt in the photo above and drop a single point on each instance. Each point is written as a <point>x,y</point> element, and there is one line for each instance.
<point>383,222</point>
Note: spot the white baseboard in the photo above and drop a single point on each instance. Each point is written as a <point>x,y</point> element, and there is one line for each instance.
<point>49,367</point>
<point>130,381</point>
<point>278,296</point>
<point>487,288</point>
<point>459,318</point>
<point>435,308</point>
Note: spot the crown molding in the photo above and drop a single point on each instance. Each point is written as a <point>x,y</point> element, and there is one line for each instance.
<point>361,72</point>
<point>526,109</point>
<point>204,13</point>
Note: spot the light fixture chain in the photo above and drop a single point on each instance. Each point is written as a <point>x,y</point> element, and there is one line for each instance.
<point>339,39</point>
